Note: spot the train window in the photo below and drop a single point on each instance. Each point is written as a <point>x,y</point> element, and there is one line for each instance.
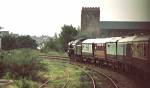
<point>108,45</point>
<point>128,50</point>
<point>100,48</point>
<point>95,47</point>
<point>99,44</point>
<point>145,50</point>
<point>138,46</point>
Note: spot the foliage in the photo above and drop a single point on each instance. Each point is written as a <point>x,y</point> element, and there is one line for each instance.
<point>24,83</point>
<point>82,34</point>
<point>52,45</point>
<point>26,42</point>
<point>10,42</point>
<point>23,63</point>
<point>59,44</point>
<point>59,70</point>
<point>67,34</point>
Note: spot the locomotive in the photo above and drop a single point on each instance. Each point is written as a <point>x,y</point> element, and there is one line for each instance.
<point>129,54</point>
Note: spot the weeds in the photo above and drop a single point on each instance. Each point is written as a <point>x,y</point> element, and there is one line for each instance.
<point>23,63</point>
<point>23,83</point>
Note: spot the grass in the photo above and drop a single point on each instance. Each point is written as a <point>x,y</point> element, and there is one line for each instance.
<point>21,65</point>
<point>58,71</point>
<point>28,70</point>
<point>55,53</point>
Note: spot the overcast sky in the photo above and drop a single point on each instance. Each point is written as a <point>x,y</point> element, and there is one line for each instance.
<point>46,17</point>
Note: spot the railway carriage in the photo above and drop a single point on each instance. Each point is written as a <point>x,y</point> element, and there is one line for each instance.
<point>94,50</point>
<point>130,54</point>
<point>111,48</point>
<point>124,53</point>
<point>87,50</point>
<point>141,54</point>
<point>111,52</point>
<point>100,50</point>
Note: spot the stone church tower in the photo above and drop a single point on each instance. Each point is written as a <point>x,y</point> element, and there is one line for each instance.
<point>90,19</point>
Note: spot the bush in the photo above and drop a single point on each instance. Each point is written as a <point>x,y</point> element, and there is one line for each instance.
<point>23,63</point>
<point>53,44</point>
<point>10,42</point>
<point>23,83</point>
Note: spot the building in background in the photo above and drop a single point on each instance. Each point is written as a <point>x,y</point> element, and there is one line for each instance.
<point>40,40</point>
<point>123,28</point>
<point>90,17</point>
<point>91,24</point>
<point>4,33</point>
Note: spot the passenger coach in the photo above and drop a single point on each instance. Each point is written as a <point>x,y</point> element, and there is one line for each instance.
<point>129,54</point>
<point>141,53</point>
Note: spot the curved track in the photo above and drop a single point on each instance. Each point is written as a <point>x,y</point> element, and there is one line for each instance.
<point>65,84</point>
<point>98,74</point>
<point>109,79</point>
<point>92,79</point>
<point>68,80</point>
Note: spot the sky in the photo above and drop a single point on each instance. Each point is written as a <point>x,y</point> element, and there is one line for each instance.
<point>46,17</point>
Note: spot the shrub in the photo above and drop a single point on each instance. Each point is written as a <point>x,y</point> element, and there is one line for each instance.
<point>23,83</point>
<point>23,63</point>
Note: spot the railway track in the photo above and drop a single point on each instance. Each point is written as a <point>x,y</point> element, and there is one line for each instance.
<point>66,84</point>
<point>68,80</point>
<point>91,81</point>
<point>101,79</point>
<point>55,57</point>
<point>92,73</point>
<point>44,84</point>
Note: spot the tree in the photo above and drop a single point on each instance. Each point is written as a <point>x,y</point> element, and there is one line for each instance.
<point>26,42</point>
<point>52,44</point>
<point>67,34</point>
<point>82,34</point>
<point>9,42</point>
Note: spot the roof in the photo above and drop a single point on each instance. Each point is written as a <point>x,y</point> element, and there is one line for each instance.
<point>124,25</point>
<point>74,42</point>
<point>142,38</point>
<point>127,39</point>
<point>101,40</point>
<point>115,39</point>
<point>89,41</point>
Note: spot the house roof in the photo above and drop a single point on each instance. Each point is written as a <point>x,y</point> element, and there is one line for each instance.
<point>124,25</point>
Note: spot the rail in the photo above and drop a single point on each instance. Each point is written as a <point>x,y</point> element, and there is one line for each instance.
<point>93,82</point>
<point>68,80</point>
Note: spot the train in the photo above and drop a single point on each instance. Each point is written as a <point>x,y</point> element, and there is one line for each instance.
<point>127,54</point>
